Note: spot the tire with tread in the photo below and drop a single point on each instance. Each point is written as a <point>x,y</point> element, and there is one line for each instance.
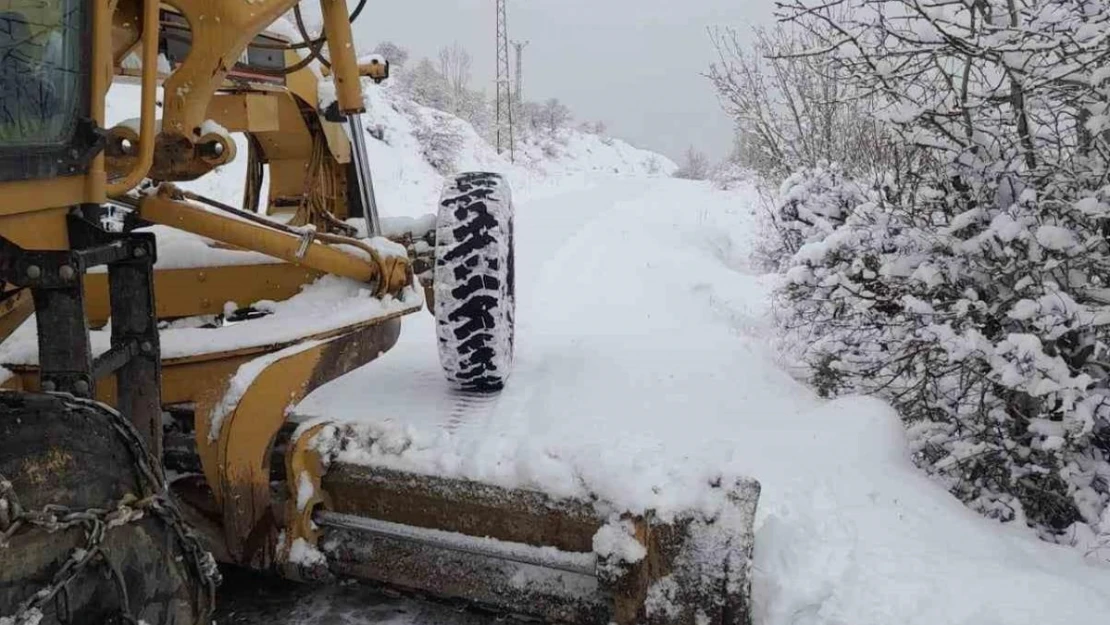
<point>475,282</point>
<point>59,451</point>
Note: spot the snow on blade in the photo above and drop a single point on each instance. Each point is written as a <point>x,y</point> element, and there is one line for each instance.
<point>247,373</point>
<point>304,554</point>
<point>326,305</point>
<point>616,544</point>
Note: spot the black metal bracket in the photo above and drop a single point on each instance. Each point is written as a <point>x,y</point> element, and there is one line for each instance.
<point>89,139</point>
<point>333,114</point>
<point>56,280</point>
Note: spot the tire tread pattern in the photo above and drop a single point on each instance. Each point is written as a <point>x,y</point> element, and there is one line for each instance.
<point>475,282</point>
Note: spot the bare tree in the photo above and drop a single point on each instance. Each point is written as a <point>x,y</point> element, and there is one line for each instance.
<point>454,66</point>
<point>393,53</point>
<point>695,166</point>
<point>554,115</point>
<point>792,108</point>
<point>426,86</point>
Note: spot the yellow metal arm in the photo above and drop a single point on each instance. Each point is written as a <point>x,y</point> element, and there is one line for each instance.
<point>162,209</point>
<point>149,89</point>
<point>344,62</point>
<point>221,31</point>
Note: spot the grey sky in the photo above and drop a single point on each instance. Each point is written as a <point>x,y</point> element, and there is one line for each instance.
<point>634,64</point>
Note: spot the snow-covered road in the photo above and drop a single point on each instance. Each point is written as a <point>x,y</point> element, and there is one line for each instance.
<point>643,366</point>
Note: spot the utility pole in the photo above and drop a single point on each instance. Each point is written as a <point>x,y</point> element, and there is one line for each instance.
<point>504,92</point>
<point>519,86</point>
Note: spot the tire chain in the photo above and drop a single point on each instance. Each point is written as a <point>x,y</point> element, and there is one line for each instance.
<point>96,523</point>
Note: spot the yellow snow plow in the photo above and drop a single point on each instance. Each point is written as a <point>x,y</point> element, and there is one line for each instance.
<point>154,339</point>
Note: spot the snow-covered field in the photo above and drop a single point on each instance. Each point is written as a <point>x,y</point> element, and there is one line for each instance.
<point>644,367</point>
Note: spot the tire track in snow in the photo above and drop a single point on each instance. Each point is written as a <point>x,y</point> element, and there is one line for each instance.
<point>469,408</point>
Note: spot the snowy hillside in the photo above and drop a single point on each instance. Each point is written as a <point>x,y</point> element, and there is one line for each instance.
<point>407,180</point>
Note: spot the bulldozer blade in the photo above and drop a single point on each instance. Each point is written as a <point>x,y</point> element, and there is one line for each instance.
<point>524,553</point>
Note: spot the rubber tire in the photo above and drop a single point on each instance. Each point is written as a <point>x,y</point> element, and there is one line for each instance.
<point>475,282</point>
<point>59,451</point>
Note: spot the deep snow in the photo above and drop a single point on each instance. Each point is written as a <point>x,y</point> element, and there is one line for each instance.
<point>644,367</point>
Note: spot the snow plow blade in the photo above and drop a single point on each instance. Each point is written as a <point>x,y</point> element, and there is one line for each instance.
<point>524,553</point>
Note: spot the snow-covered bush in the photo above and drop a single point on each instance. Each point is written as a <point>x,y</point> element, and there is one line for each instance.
<point>972,291</point>
<point>810,204</point>
<point>695,165</point>
<point>424,85</point>
<point>439,139</point>
<point>983,331</point>
<point>728,175</point>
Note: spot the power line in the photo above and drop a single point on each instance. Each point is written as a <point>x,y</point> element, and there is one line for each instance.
<point>504,92</point>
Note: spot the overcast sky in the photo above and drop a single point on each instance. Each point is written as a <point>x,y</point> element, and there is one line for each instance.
<point>634,64</point>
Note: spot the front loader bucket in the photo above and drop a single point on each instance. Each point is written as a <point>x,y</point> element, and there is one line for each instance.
<point>523,553</point>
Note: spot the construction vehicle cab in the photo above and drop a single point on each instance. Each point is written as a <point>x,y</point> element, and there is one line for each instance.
<point>153,341</point>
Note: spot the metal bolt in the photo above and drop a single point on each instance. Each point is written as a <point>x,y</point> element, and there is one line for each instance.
<point>34,272</point>
<point>66,272</point>
<point>140,252</point>
<point>48,386</point>
<point>81,387</point>
<point>146,347</point>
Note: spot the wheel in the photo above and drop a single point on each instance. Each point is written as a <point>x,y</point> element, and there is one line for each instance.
<point>59,451</point>
<point>475,283</point>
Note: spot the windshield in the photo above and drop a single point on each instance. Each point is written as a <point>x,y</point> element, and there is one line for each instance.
<point>40,71</point>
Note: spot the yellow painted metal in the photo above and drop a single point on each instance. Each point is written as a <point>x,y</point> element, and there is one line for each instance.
<point>242,448</point>
<point>149,42</point>
<point>373,70</point>
<point>304,470</point>
<point>101,63</point>
<point>41,228</point>
<point>247,111</point>
<point>201,378</point>
<point>284,123</point>
<point>306,154</point>
<point>341,49</point>
<point>16,307</point>
<point>235,435</point>
<point>205,290</point>
<point>221,31</point>
<point>126,24</point>
<point>189,217</point>
<point>24,196</point>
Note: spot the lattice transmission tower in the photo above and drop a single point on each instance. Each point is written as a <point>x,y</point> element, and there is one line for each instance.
<point>518,87</point>
<point>504,90</point>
